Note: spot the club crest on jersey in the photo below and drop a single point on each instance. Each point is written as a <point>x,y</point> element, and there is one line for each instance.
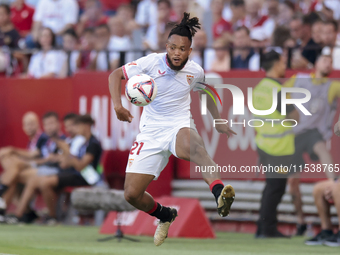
<point>130,162</point>
<point>190,78</point>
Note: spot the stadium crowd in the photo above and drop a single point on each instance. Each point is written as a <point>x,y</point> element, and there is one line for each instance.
<point>56,38</point>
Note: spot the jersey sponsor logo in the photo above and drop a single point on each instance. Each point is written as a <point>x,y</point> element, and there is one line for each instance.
<point>161,73</point>
<point>189,78</point>
<point>132,63</point>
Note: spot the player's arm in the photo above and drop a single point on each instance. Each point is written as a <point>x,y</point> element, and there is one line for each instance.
<point>337,128</point>
<point>25,153</point>
<point>115,84</point>
<point>212,108</point>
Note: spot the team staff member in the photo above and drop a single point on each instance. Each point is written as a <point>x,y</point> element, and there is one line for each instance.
<point>314,130</point>
<point>275,143</point>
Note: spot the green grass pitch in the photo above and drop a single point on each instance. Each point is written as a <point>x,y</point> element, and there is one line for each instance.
<point>63,240</point>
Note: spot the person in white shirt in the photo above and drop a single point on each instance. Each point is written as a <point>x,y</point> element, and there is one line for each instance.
<point>166,125</point>
<point>58,15</point>
<point>45,63</point>
<point>119,40</point>
<point>101,58</point>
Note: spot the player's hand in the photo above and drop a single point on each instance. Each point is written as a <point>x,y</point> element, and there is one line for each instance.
<point>123,114</point>
<point>337,128</point>
<point>224,129</point>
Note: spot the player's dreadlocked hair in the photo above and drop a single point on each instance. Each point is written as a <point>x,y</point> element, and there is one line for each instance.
<point>187,27</point>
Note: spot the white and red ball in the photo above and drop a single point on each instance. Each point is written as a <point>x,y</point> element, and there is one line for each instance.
<point>141,90</point>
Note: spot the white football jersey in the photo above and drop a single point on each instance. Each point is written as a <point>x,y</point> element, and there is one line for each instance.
<point>172,103</point>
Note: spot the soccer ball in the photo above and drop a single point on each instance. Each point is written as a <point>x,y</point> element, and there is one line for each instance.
<point>141,90</point>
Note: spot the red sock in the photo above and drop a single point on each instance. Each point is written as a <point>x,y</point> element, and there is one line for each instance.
<point>211,186</point>
<point>153,208</point>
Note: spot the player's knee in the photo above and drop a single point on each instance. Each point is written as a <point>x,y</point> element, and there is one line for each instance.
<point>318,190</point>
<point>200,151</point>
<point>131,195</point>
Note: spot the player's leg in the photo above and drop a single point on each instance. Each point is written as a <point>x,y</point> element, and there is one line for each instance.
<point>47,185</point>
<point>145,164</point>
<point>323,207</point>
<point>294,191</point>
<point>190,146</point>
<point>322,152</point>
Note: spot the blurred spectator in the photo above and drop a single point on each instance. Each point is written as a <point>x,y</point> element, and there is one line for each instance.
<point>58,15</point>
<point>286,12</point>
<point>258,38</point>
<point>317,28</point>
<point>196,10</point>
<point>22,17</point>
<point>179,7</point>
<point>75,171</point>
<point>221,62</point>
<point>8,35</point>
<point>87,41</point>
<point>255,19</point>
<point>280,36</point>
<point>200,52</point>
<point>146,15</point>
<point>126,12</point>
<point>73,139</point>
<point>238,10</point>
<point>296,29</point>
<point>119,41</point>
<point>5,60</point>
<point>70,54</point>
<point>226,12</point>
<point>45,63</point>
<point>329,8</point>
<point>110,7</point>
<point>244,57</point>
<point>309,49</point>
<point>101,59</point>
<point>271,8</point>
<point>93,16</point>
<point>220,26</point>
<point>329,38</point>
<point>308,6</point>
<point>157,35</point>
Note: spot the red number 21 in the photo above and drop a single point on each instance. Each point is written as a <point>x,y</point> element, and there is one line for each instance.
<point>134,146</point>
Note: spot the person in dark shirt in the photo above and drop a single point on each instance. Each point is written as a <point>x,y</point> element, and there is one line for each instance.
<point>8,35</point>
<point>80,170</point>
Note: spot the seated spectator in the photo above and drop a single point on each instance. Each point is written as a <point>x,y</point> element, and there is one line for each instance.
<point>238,9</point>
<point>70,54</point>
<point>56,15</point>
<point>119,40</point>
<point>125,12</point>
<point>326,193</point>
<point>254,18</point>
<point>146,15</point>
<point>330,9</point>
<point>258,39</point>
<point>45,63</point>
<point>86,46</point>
<point>309,50</point>
<point>101,59</point>
<point>22,17</point>
<point>200,52</point>
<point>5,62</point>
<point>75,170</point>
<point>93,16</point>
<point>244,57</point>
<point>308,6</point>
<point>221,62</point>
<point>317,28</point>
<point>280,35</point>
<point>43,153</point>
<point>8,35</point>
<point>286,12</point>
<point>220,26</point>
<point>329,38</point>
<point>73,139</point>
<point>271,8</point>
<point>157,35</point>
